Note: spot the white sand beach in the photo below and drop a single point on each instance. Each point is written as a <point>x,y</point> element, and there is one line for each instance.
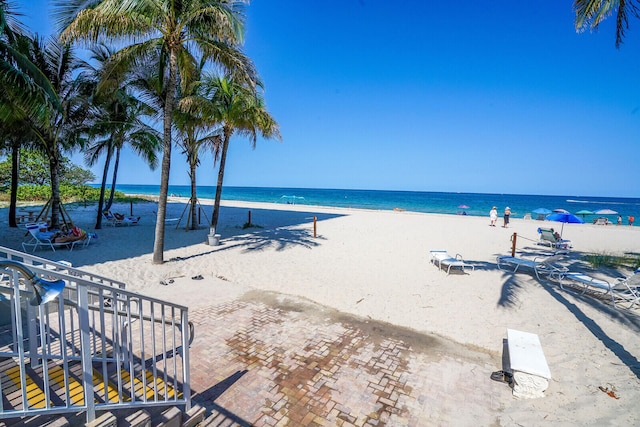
<point>375,265</point>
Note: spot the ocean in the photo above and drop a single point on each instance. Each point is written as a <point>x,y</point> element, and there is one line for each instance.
<point>475,204</point>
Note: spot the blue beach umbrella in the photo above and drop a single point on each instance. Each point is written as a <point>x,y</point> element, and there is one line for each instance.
<point>541,212</point>
<point>564,218</point>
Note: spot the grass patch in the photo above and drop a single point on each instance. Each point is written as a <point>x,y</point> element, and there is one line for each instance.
<point>250,225</point>
<point>603,259</point>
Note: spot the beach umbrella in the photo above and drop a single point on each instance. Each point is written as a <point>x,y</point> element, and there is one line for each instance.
<point>541,212</point>
<point>463,207</point>
<point>584,212</point>
<point>606,212</point>
<point>564,218</point>
<point>563,211</point>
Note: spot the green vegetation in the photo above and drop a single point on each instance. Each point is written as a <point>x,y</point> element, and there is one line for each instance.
<point>603,259</point>
<point>250,225</point>
<point>68,194</point>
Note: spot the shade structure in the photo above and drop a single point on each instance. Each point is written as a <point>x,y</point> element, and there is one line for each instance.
<point>564,218</point>
<point>542,211</point>
<point>562,211</point>
<point>463,207</point>
<point>605,212</point>
<point>584,212</point>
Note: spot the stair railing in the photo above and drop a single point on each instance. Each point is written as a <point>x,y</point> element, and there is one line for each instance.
<point>94,347</point>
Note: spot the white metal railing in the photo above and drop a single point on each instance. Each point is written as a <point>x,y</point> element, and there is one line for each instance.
<point>32,260</point>
<point>96,346</point>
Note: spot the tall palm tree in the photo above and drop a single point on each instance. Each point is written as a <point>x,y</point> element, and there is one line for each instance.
<point>240,110</point>
<point>591,13</point>
<point>120,119</point>
<point>26,92</point>
<point>196,132</point>
<point>181,30</point>
<point>54,129</point>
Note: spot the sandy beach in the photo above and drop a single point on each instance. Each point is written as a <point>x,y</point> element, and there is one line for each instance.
<point>374,265</point>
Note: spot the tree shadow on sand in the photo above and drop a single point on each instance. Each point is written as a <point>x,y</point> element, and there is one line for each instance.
<point>276,228</point>
<point>514,283</point>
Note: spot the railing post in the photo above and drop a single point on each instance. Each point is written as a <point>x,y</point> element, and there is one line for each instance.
<point>85,342</point>
<point>185,360</point>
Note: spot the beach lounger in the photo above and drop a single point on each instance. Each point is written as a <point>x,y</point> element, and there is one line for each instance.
<point>113,220</point>
<point>540,265</point>
<point>44,238</point>
<point>548,238</point>
<point>621,289</point>
<point>441,258</point>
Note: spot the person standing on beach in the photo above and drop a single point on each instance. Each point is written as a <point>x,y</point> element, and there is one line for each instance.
<point>619,219</point>
<point>631,219</point>
<point>507,213</point>
<point>493,216</point>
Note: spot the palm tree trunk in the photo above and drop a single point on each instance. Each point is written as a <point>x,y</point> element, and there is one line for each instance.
<point>54,165</point>
<point>158,244</point>
<point>194,198</point>
<point>223,160</point>
<point>15,167</point>
<point>103,185</point>
<point>116,164</point>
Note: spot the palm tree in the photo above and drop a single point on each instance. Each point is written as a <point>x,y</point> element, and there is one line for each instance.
<point>179,29</point>
<point>54,130</point>
<point>591,13</point>
<point>239,109</point>
<point>196,133</point>
<point>120,119</point>
<point>26,92</point>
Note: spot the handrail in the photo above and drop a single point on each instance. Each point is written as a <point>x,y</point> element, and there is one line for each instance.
<point>109,310</point>
<point>138,346</point>
<point>36,261</point>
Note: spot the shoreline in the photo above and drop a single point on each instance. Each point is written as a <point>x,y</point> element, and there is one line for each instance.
<point>374,265</point>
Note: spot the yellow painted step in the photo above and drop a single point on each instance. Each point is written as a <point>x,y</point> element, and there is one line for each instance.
<point>112,390</point>
<point>149,391</point>
<point>35,395</point>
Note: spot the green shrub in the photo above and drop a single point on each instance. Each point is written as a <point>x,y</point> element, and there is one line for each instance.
<point>68,193</point>
<point>603,259</point>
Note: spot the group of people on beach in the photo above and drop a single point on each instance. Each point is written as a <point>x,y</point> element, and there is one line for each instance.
<point>493,216</point>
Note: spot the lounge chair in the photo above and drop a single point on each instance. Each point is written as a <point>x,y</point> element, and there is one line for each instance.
<point>114,220</point>
<point>441,258</point>
<point>601,221</point>
<point>548,238</point>
<point>44,238</point>
<point>540,265</point>
<point>625,289</point>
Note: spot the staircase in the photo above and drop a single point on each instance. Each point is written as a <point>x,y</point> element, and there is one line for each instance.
<point>95,349</point>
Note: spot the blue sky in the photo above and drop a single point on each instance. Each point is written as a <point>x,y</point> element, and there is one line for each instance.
<point>474,96</point>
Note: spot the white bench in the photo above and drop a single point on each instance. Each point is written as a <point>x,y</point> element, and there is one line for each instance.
<point>528,365</point>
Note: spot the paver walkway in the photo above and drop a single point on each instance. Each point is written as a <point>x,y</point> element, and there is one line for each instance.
<point>268,361</point>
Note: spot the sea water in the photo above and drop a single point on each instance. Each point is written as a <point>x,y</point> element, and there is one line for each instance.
<point>479,204</point>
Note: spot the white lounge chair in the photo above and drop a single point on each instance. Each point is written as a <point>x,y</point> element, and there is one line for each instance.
<point>441,258</point>
<point>44,238</point>
<point>540,265</point>
<point>627,289</point>
<point>114,221</point>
